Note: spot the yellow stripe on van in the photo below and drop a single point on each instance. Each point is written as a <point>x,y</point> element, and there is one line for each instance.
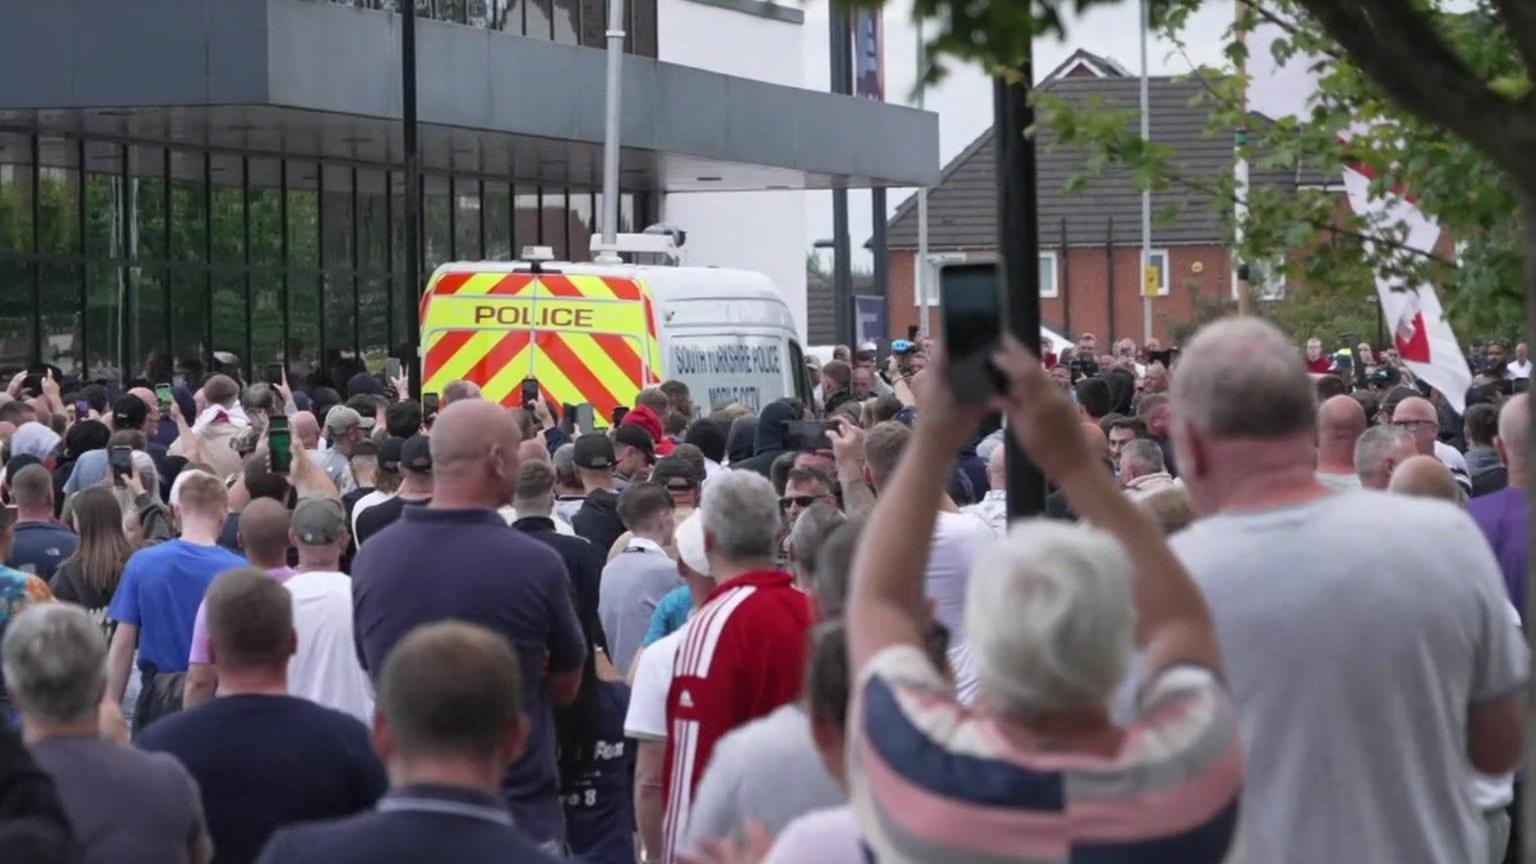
<point>456,312</point>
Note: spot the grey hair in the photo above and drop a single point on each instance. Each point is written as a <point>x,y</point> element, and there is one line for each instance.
<point>1049,618</point>
<point>565,465</point>
<point>55,661</point>
<point>1243,378</point>
<point>456,391</point>
<point>811,530</point>
<point>1375,445</point>
<point>1144,454</point>
<point>741,515</point>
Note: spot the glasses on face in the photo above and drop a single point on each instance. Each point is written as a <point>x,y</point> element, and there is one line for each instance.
<point>801,501</point>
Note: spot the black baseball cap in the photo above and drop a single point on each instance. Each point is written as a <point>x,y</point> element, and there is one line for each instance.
<point>416,454</point>
<point>594,450</point>
<point>389,454</point>
<point>632,435</point>
<point>675,471</point>
<point>129,412</point>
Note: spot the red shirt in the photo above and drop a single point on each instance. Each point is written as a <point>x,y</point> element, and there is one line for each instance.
<point>742,656</point>
<point>1321,365</point>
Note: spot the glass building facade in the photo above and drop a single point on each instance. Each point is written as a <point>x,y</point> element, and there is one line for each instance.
<point>128,258</point>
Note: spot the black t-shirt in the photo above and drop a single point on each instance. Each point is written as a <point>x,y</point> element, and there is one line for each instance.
<point>69,586</point>
<point>263,762</point>
<point>382,515</point>
<point>595,787</point>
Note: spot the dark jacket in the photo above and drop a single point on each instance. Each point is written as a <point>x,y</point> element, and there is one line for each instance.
<point>33,825</point>
<point>769,442</point>
<point>598,521</point>
<point>738,442</point>
<point>832,400</point>
<point>583,564</point>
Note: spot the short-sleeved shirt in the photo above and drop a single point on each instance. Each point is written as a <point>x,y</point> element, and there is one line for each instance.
<point>161,589</point>
<point>1356,629</point>
<point>18,591</point>
<point>325,668</point>
<point>595,786</point>
<point>1501,516</point>
<point>382,515</point>
<point>632,585</point>
<point>646,719</point>
<point>40,547</point>
<point>198,653</point>
<point>829,836</point>
<point>932,781</point>
<point>263,762</point>
<point>470,565</point>
<point>741,656</point>
<point>127,806</point>
<point>671,613</point>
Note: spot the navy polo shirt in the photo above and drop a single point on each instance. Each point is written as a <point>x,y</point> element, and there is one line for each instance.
<point>469,565</point>
<point>41,547</point>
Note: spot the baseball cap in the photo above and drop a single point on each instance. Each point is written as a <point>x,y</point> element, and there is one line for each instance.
<point>633,435</point>
<point>362,383</point>
<point>670,469</point>
<point>594,450</point>
<point>341,418</point>
<point>416,454</point>
<point>129,412</point>
<point>365,447</point>
<point>389,454</point>
<point>318,520</point>
<point>689,540</point>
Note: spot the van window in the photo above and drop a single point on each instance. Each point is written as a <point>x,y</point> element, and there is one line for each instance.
<point>802,375</point>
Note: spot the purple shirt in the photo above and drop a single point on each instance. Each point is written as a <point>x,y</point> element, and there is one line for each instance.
<point>199,652</point>
<point>1502,517</point>
<point>436,564</point>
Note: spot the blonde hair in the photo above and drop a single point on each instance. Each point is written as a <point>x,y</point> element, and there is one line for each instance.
<point>202,494</point>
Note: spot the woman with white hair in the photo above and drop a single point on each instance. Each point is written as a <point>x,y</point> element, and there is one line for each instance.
<point>1037,771</point>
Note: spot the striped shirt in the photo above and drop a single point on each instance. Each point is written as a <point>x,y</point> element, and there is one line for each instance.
<point>933,782</point>
<point>742,655</point>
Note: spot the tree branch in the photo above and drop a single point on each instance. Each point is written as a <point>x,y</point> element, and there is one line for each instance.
<point>1290,28</point>
<point>1397,48</point>
<point>1520,17</point>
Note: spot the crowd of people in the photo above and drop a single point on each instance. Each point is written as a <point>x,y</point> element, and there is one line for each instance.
<point>249,622</point>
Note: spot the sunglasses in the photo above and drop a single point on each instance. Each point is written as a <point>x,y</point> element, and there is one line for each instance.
<point>680,487</point>
<point>801,501</point>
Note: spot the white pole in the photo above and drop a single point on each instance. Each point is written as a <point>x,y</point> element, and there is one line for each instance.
<point>1240,181</point>
<point>615,35</point>
<point>1146,194</point>
<point>920,269</point>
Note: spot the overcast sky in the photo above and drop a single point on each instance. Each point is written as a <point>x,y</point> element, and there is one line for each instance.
<point>963,100</point>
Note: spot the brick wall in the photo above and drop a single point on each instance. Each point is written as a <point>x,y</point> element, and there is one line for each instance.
<point>1084,278</point>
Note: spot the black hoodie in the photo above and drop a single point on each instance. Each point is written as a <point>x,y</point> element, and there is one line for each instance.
<point>769,443</point>
<point>598,521</point>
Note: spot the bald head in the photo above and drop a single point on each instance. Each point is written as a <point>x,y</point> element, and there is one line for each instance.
<point>1514,439</point>
<point>1341,418</point>
<point>1424,477</point>
<point>305,428</point>
<point>264,533</point>
<point>1241,378</point>
<point>474,455</point>
<point>1418,416</point>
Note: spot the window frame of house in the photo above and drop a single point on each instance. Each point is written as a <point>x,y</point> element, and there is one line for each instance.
<point>1052,290</point>
<point>1164,282</point>
<point>937,261</point>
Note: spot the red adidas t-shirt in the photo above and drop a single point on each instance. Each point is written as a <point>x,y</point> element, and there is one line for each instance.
<point>742,655</point>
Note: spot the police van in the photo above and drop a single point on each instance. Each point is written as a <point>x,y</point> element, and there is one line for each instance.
<point>598,333</point>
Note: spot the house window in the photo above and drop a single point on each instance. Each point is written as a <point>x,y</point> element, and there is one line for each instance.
<point>1160,259</point>
<point>1049,286</point>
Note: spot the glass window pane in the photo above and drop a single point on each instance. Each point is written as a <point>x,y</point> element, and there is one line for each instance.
<point>467,220</point>
<point>435,215</point>
<point>594,21</point>
<point>147,336</point>
<point>567,21</point>
<point>642,28</point>
<point>528,230</point>
<point>266,263</point>
<point>15,313</point>
<point>498,222</point>
<point>537,24</point>
<point>303,269</point>
<point>61,317</point>
<point>556,223</point>
<point>583,223</point>
<point>189,280</point>
<point>336,254</point>
<point>374,326</point>
<point>372,227</point>
<point>103,203</point>
<point>146,197</point>
<point>228,210</point>
<point>58,188</point>
<point>15,194</point>
<point>104,291</point>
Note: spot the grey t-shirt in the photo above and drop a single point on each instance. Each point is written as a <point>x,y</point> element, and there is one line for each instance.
<point>127,806</point>
<point>1356,630</point>
<point>632,584</point>
<point>769,771</point>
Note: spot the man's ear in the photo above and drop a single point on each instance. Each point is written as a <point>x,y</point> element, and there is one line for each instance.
<point>1498,444</point>
<point>383,737</point>
<point>515,738</point>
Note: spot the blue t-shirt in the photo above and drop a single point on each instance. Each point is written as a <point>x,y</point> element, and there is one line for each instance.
<point>262,762</point>
<point>595,787</point>
<point>41,546</point>
<point>161,588</point>
<point>470,565</point>
<point>671,613</point>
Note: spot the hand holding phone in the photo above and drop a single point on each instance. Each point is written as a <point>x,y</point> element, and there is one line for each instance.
<point>279,445</point>
<point>120,459</point>
<point>971,300</point>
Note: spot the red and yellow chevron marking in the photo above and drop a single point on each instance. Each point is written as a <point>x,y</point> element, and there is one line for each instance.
<point>585,338</point>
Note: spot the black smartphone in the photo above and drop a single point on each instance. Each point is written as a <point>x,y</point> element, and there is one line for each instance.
<point>163,395</point>
<point>82,409</point>
<point>807,435</point>
<point>392,368</point>
<point>429,404</point>
<point>279,445</point>
<point>971,301</point>
<point>120,458</point>
<point>274,373</point>
<point>530,391</point>
<point>618,414</point>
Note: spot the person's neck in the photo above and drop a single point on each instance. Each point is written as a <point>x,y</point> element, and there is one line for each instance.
<point>594,482</point>
<point>34,514</point>
<point>1519,475</point>
<point>412,489</point>
<point>652,534</point>
<point>328,561</point>
<point>1258,474</point>
<point>465,493</point>
<point>253,681</point>
<point>484,775</point>
<point>33,731</point>
<point>533,509</point>
<point>572,492</point>
<point>1336,457</point>
<point>200,531</point>
<point>723,571</point>
<point>268,562</point>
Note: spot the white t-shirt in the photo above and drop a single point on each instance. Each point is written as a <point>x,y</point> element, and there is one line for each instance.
<point>646,718</point>
<point>957,539</point>
<point>1341,482</point>
<point>325,668</point>
<point>1518,369</point>
<point>828,836</point>
<point>363,503</point>
<point>1452,459</point>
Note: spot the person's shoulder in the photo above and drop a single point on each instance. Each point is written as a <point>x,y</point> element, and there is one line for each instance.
<point>181,727</point>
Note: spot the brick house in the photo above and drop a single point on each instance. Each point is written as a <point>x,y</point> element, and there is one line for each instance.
<point>1090,242</point>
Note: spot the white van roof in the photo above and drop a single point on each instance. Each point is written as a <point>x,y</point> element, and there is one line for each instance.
<point>666,283</point>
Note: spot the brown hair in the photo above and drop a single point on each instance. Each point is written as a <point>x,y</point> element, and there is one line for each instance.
<point>466,712</point>
<point>250,618</point>
<point>104,548</point>
<point>883,445</point>
<point>220,390</point>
